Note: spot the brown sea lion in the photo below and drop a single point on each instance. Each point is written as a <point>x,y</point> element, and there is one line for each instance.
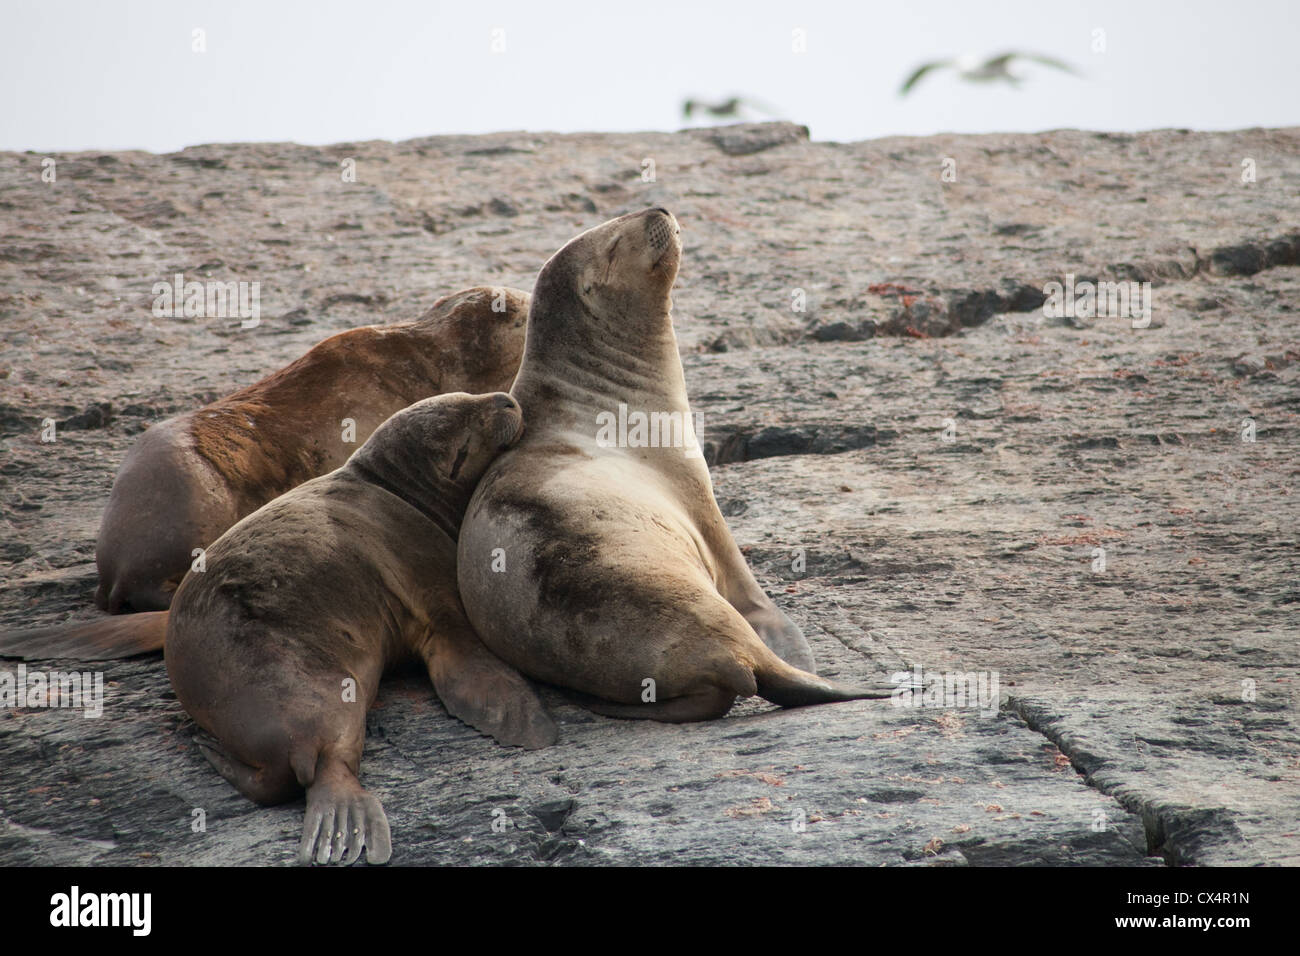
<point>189,478</point>
<point>277,649</point>
<point>610,570</point>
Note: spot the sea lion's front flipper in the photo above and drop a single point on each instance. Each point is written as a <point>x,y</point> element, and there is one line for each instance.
<point>736,583</point>
<point>782,636</point>
<point>484,691</point>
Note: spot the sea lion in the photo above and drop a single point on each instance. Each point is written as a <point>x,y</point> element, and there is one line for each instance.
<point>189,478</point>
<point>276,650</point>
<point>600,568</point>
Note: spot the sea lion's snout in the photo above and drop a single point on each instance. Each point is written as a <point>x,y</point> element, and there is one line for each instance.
<point>661,229</point>
<point>508,426</point>
<point>663,239</point>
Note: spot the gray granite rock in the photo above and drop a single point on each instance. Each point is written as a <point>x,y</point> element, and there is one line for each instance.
<point>923,468</point>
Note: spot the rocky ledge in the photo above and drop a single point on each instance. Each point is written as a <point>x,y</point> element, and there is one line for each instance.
<point>929,465</point>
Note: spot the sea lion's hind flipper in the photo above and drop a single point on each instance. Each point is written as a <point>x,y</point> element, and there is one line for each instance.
<point>484,691</point>
<point>257,783</point>
<point>342,818</point>
<point>99,639</point>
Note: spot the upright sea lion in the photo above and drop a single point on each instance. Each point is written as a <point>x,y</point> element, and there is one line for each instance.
<point>601,568</point>
<point>191,477</point>
<point>276,650</point>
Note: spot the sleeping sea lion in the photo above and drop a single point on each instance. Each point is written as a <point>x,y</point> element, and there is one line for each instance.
<point>189,478</point>
<point>277,648</point>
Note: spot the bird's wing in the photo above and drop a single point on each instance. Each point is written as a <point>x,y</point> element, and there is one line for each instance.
<point>1039,58</point>
<point>920,71</point>
<point>759,106</point>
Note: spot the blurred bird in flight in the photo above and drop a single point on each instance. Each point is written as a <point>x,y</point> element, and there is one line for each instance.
<point>735,107</point>
<point>974,69</point>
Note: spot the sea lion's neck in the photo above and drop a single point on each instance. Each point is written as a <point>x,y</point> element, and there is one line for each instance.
<point>577,378</point>
<point>438,498</point>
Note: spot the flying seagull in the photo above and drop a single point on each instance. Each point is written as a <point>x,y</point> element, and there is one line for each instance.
<point>975,70</point>
<point>733,107</point>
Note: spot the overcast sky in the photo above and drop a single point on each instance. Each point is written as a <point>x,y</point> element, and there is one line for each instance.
<point>115,74</point>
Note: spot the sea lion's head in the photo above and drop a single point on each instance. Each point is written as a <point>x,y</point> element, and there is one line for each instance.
<point>483,329</point>
<point>447,440</point>
<point>622,271</point>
